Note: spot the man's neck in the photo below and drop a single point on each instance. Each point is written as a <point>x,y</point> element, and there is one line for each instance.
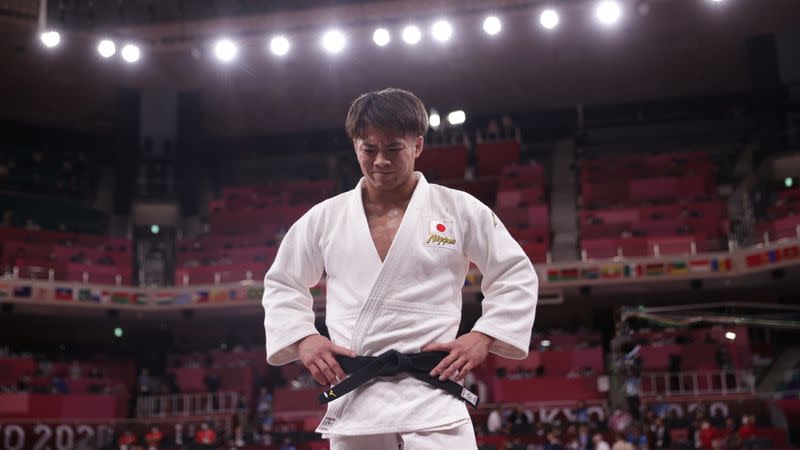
<point>390,199</point>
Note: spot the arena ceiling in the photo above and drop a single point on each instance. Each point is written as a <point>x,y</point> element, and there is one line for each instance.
<point>679,48</point>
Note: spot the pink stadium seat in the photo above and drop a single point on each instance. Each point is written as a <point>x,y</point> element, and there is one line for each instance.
<point>494,157</point>
<point>543,389</point>
<point>443,163</point>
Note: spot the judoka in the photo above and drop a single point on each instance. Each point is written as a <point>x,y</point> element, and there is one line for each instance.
<point>395,251</point>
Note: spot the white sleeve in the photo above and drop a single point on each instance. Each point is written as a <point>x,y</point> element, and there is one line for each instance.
<point>287,301</point>
<point>510,285</point>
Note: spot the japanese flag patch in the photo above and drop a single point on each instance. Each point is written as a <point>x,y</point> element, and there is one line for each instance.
<point>441,234</point>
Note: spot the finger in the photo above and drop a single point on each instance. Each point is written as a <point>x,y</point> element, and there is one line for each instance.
<point>444,364</point>
<point>327,373</point>
<point>316,373</point>
<point>339,350</point>
<point>462,372</point>
<point>438,347</point>
<point>452,369</point>
<point>337,369</point>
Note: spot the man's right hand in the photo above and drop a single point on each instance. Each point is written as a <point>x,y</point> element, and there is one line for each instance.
<point>316,353</point>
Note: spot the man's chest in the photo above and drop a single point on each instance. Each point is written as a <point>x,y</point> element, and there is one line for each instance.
<point>383,229</point>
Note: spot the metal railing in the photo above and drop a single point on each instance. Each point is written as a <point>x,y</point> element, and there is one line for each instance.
<point>698,383</point>
<point>186,404</point>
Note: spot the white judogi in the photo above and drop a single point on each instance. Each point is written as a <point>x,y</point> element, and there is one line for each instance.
<point>409,300</point>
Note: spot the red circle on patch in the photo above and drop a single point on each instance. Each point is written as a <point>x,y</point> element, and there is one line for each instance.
<point>441,228</point>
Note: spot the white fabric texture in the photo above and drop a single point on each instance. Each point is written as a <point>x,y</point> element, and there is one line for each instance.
<point>409,300</point>
<point>461,437</point>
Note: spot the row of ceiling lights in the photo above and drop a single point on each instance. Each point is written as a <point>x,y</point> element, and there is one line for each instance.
<point>606,12</point>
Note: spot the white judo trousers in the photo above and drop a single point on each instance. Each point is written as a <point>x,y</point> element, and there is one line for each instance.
<point>410,299</point>
<point>459,438</point>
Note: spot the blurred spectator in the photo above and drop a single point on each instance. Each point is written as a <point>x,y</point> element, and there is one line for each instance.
<point>637,438</point>
<point>492,130</point>
<point>75,370</point>
<point>518,421</point>
<point>659,434</point>
<point>622,444</point>
<point>619,421</point>
<point>707,435</point>
<point>153,438</point>
<point>205,437</point>
<point>509,129</point>
<point>179,435</point>
<point>287,444</point>
<point>600,442</point>
<point>242,410</point>
<point>213,384</point>
<point>553,443</point>
<point>24,384</point>
<point>144,382</point>
<point>581,413</point>
<point>631,388</point>
<point>126,440</point>
<point>494,424</point>
<point>238,437</point>
<point>747,430</point>
<point>59,386</point>
<point>584,439</point>
<point>264,402</point>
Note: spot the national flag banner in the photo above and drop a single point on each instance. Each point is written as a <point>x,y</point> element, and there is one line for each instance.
<point>84,295</point>
<point>201,296</point>
<point>255,293</point>
<point>590,273</point>
<point>63,294</point>
<point>141,298</point>
<point>219,295</point>
<point>105,296</point>
<point>755,260</point>
<point>120,297</point>
<point>792,252</point>
<point>5,290</point>
<point>700,265</point>
<point>552,275</point>
<point>569,274</point>
<point>23,291</point>
<point>183,298</point>
<point>238,294</point>
<point>42,294</point>
<point>654,269</point>
<point>774,256</point>
<point>612,271</point>
<point>164,298</point>
<point>677,268</point>
<point>721,265</point>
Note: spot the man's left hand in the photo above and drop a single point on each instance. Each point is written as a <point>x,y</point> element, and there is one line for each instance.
<point>466,353</point>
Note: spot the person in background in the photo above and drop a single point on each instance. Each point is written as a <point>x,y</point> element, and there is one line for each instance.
<point>205,437</point>
<point>707,435</point>
<point>179,440</point>
<point>581,413</point>
<point>494,423</point>
<point>584,439</point>
<point>747,430</point>
<point>144,382</point>
<point>287,444</point>
<point>600,442</point>
<point>153,438</point>
<point>622,444</point>
<point>659,435</point>
<point>126,440</point>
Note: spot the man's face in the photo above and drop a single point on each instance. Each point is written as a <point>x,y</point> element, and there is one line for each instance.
<point>387,158</point>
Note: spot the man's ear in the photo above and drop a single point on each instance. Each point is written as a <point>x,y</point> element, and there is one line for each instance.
<point>418,146</point>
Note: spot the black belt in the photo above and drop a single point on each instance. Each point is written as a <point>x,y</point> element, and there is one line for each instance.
<point>419,365</point>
